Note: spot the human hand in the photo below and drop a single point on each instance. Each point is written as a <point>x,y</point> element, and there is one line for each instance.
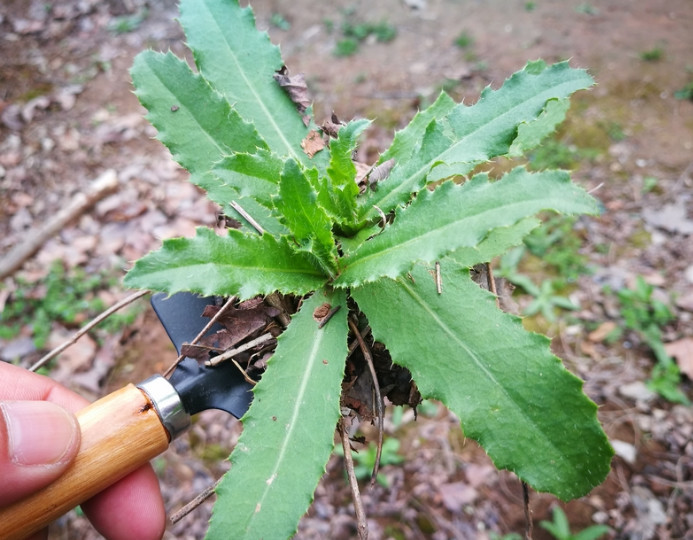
<point>39,438</point>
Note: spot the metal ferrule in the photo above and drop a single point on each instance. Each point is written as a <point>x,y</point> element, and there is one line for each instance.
<point>167,403</point>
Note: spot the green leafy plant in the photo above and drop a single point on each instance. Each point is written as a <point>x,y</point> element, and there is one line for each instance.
<point>685,93</point>
<point>655,54</point>
<point>365,460</point>
<point>560,528</point>
<point>356,32</point>
<point>60,296</point>
<point>646,316</point>
<point>464,40</point>
<point>346,250</point>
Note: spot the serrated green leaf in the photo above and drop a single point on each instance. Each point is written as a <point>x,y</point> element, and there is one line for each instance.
<point>288,432</point>
<point>454,217</point>
<point>339,189</point>
<point>240,63</point>
<point>407,140</point>
<point>470,135</point>
<point>496,243</point>
<point>193,120</point>
<point>530,134</point>
<point>341,169</point>
<point>234,265</point>
<point>306,219</point>
<point>254,175</point>
<point>510,393</point>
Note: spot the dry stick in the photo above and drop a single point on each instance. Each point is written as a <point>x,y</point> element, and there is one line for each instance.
<point>362,524</point>
<point>238,208</point>
<point>439,279</point>
<point>199,336</point>
<point>91,324</point>
<point>529,526</point>
<point>379,400</point>
<point>104,185</point>
<point>197,501</point>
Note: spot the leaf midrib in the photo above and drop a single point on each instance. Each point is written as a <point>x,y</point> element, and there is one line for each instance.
<point>298,401</point>
<point>261,103</point>
<point>427,166</point>
<point>477,361</point>
<point>437,231</point>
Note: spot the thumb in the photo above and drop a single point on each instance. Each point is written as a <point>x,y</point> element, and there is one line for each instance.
<point>38,440</point>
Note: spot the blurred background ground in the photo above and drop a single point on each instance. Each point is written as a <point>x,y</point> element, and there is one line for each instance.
<point>67,114</point>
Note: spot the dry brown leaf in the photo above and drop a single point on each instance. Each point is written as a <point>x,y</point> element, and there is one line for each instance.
<point>602,332</point>
<point>682,350</point>
<point>313,143</point>
<point>296,88</point>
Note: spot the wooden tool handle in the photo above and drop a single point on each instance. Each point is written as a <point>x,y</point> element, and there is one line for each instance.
<point>120,432</point>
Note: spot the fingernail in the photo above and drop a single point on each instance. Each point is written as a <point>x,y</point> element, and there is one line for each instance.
<point>39,432</point>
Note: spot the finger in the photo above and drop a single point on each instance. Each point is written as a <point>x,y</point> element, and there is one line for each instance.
<point>38,441</point>
<point>138,498</point>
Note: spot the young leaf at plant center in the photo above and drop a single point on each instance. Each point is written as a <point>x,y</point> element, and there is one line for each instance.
<point>510,393</point>
<point>306,219</point>
<point>234,265</point>
<point>453,217</point>
<point>240,63</point>
<point>288,432</point>
<point>194,121</point>
<point>254,175</point>
<point>471,135</point>
<point>339,190</point>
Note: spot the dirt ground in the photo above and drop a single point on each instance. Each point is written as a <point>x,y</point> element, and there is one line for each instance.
<point>67,114</point>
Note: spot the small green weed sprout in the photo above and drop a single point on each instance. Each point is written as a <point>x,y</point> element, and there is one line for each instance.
<point>364,460</point>
<point>686,92</point>
<point>128,23</point>
<point>655,54</point>
<point>464,40</point>
<point>68,298</point>
<point>560,528</point>
<point>356,32</point>
<point>278,21</point>
<point>646,316</point>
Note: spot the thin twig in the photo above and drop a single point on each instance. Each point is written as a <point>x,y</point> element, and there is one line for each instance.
<point>91,324</point>
<point>492,283</point>
<point>226,355</point>
<point>362,524</point>
<point>329,315</point>
<point>238,208</point>
<point>275,301</point>
<point>439,279</point>
<point>529,526</point>
<point>199,336</point>
<point>32,242</point>
<point>197,501</point>
<point>378,398</point>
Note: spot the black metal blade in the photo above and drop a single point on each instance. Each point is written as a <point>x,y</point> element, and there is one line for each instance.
<point>200,387</point>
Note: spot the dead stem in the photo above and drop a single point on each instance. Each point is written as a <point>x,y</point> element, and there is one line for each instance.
<point>91,324</point>
<point>529,526</point>
<point>238,208</point>
<point>362,524</point>
<point>197,501</point>
<point>329,315</point>
<point>199,336</point>
<point>491,282</point>
<point>275,301</point>
<point>378,398</point>
<point>439,279</point>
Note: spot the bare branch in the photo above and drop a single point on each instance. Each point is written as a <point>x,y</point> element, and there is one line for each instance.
<point>91,324</point>
<point>104,185</point>
<point>362,524</point>
<point>378,398</point>
<point>199,336</point>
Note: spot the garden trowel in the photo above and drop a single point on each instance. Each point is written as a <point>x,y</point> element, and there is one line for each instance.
<point>131,426</point>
